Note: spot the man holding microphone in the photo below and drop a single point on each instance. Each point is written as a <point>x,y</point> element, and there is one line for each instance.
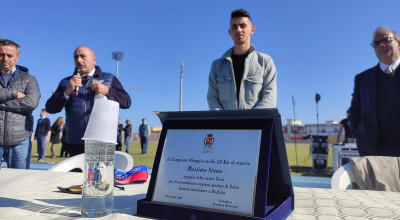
<point>77,93</point>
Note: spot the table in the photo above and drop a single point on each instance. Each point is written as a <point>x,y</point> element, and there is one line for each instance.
<point>33,194</point>
<point>340,151</point>
<point>317,203</point>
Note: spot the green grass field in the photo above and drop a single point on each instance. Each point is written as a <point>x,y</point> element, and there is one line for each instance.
<point>134,148</point>
<point>300,167</point>
<point>303,165</point>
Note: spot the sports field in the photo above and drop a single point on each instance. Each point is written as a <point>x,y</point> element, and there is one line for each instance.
<point>300,165</point>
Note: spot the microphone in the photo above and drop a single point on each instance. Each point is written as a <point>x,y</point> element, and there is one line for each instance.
<point>78,73</point>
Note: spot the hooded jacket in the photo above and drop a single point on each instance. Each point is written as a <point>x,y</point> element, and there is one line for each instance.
<point>16,119</point>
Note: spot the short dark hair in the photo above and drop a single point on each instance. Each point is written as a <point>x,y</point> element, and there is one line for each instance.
<point>240,13</point>
<point>4,42</point>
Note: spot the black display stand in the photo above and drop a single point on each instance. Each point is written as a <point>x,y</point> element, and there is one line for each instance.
<point>274,198</point>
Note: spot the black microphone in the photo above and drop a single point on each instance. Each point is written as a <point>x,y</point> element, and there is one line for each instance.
<point>78,73</point>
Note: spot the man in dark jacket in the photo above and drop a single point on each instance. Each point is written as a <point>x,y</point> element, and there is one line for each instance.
<point>374,112</point>
<point>19,96</point>
<point>120,128</point>
<point>77,94</point>
<point>144,133</point>
<point>42,128</point>
<point>127,134</point>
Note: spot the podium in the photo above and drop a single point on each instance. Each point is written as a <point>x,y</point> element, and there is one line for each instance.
<point>220,165</point>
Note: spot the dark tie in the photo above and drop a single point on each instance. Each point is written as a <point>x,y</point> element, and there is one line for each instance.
<point>85,79</point>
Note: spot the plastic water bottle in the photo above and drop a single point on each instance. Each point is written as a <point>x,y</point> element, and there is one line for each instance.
<point>98,185</point>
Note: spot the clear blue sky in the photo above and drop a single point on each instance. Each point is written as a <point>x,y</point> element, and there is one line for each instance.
<point>318,47</point>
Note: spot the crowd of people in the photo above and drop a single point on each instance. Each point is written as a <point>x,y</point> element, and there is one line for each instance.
<point>242,78</point>
<point>58,135</point>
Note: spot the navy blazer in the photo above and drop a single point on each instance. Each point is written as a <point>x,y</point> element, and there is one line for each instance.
<point>42,128</point>
<point>362,112</point>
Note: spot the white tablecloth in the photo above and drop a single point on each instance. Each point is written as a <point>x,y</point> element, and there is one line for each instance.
<point>317,203</point>
<point>33,194</point>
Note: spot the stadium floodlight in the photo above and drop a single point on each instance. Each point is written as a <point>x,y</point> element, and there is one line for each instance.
<point>117,56</point>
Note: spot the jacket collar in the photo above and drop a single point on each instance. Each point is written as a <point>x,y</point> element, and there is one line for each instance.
<point>228,53</point>
<point>97,72</point>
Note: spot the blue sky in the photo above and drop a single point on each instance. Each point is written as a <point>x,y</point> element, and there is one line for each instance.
<point>317,46</point>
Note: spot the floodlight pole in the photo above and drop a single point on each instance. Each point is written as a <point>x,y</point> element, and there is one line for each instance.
<point>117,56</point>
<point>317,98</point>
<point>181,89</point>
<point>294,131</point>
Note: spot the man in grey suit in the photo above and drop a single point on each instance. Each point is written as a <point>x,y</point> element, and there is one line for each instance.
<point>374,113</point>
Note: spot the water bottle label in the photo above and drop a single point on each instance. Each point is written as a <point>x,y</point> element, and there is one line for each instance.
<point>98,151</point>
<point>99,158</point>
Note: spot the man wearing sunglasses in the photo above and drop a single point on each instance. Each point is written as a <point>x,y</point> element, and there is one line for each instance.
<point>374,113</point>
<point>19,96</point>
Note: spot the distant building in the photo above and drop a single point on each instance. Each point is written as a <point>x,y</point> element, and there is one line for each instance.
<point>296,128</point>
<point>293,127</point>
<point>156,129</point>
<point>330,127</point>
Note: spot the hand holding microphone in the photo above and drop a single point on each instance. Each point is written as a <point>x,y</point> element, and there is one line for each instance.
<point>74,83</point>
<point>78,73</point>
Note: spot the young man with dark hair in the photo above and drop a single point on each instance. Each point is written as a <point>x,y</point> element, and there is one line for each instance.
<point>242,78</point>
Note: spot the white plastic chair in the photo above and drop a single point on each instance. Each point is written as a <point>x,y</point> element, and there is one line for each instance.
<point>342,178</point>
<point>123,161</point>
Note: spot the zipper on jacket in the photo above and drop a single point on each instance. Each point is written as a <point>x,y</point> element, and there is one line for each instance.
<point>234,83</point>
<point>84,104</point>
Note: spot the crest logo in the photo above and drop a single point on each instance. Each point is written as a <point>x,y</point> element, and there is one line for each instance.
<point>209,141</point>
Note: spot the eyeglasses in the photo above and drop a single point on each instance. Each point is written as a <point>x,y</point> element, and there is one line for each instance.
<point>384,41</point>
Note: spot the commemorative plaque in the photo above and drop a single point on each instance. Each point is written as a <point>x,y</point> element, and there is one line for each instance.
<point>219,165</point>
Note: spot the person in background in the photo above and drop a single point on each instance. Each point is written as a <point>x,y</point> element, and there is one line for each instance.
<point>19,96</point>
<point>374,111</point>
<point>120,127</point>
<point>56,129</point>
<point>127,134</point>
<point>64,144</point>
<point>76,93</point>
<point>42,129</point>
<point>144,133</point>
<point>242,78</point>
<point>344,126</point>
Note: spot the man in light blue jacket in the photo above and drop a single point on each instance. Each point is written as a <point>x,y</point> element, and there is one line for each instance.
<point>242,78</point>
